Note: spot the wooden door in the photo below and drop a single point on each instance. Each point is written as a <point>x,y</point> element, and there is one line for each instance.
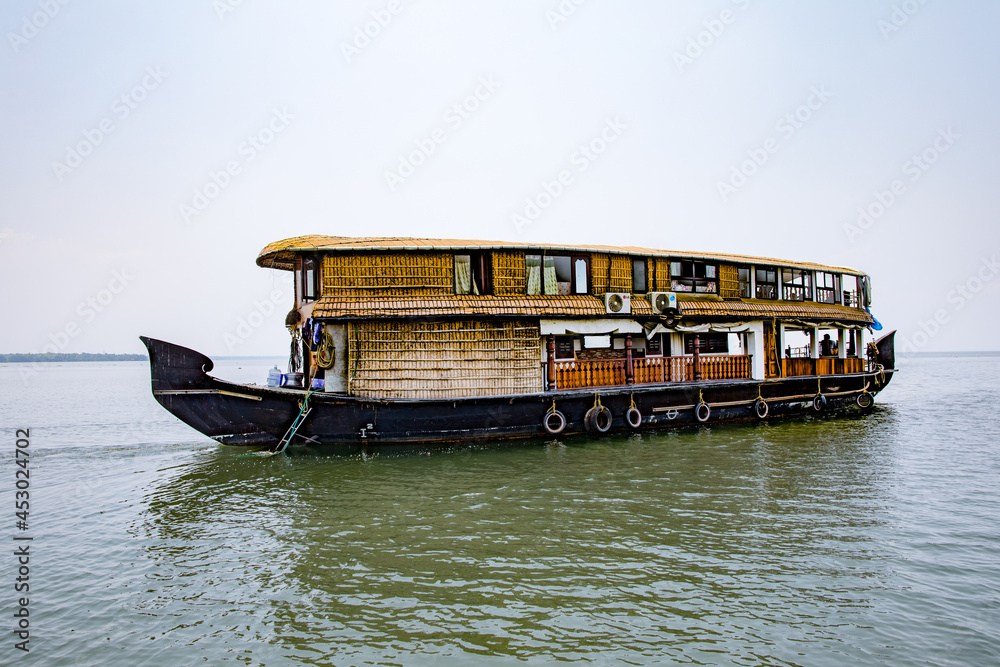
<point>771,352</point>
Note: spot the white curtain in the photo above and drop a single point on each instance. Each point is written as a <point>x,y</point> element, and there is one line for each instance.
<point>463,274</point>
<point>551,286</point>
<point>534,266</point>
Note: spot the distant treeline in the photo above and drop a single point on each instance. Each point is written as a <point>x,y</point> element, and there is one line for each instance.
<point>59,356</point>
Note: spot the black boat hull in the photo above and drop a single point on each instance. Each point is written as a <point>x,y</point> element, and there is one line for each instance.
<point>251,415</point>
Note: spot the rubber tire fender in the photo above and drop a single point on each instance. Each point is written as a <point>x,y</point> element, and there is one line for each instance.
<point>561,423</point>
<point>865,400</point>
<point>761,408</point>
<point>819,403</point>
<point>698,409</point>
<point>598,420</point>
<point>633,417</point>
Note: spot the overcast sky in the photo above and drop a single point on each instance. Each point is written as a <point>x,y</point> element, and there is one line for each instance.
<point>150,150</point>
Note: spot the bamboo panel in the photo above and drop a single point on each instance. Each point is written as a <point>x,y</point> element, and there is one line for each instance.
<point>395,274</point>
<point>620,274</point>
<point>408,359</point>
<point>510,276</point>
<point>729,282</point>
<point>661,275</point>
<point>599,274</point>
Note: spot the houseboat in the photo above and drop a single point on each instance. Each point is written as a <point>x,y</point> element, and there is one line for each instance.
<point>410,340</point>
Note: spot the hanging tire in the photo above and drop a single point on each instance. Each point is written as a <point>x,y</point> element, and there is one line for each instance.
<point>865,400</point>
<point>598,420</point>
<point>761,408</point>
<point>702,412</point>
<point>819,403</point>
<point>554,422</point>
<point>633,417</point>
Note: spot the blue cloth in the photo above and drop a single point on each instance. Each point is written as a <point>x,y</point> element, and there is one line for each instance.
<point>876,325</point>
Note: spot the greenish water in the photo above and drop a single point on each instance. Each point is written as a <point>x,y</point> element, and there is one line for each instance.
<point>814,542</point>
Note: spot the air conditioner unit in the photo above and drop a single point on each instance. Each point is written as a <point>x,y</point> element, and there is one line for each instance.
<point>663,303</point>
<point>617,304</point>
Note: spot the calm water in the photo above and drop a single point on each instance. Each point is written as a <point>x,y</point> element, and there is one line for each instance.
<point>859,541</point>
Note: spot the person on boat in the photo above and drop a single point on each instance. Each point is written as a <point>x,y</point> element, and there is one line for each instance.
<point>827,348</point>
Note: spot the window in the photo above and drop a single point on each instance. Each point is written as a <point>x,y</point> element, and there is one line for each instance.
<point>472,274</point>
<point>564,347</point>
<point>708,343</point>
<point>640,284</point>
<point>796,285</point>
<point>658,345</point>
<point>743,273</point>
<point>767,283</point>
<point>692,276</point>
<point>557,274</point>
<point>307,278</point>
<point>827,287</point>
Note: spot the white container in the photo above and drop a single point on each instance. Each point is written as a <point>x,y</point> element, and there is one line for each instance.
<point>273,377</point>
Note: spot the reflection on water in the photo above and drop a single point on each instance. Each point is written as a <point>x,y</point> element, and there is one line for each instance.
<point>678,544</point>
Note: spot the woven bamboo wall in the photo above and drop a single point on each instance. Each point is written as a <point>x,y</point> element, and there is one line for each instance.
<point>599,274</point>
<point>729,282</point>
<point>620,274</point>
<point>661,275</point>
<point>407,359</point>
<point>396,274</point>
<point>510,277</point>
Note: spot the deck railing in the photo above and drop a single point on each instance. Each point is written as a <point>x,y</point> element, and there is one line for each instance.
<point>577,374</point>
<point>796,366</point>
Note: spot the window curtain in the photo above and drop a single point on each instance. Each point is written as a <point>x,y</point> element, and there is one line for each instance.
<point>534,265</point>
<point>463,274</point>
<point>551,284</point>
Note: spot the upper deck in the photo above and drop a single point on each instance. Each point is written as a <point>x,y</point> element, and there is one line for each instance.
<point>380,277</point>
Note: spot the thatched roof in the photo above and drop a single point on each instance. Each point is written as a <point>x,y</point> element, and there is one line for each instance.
<point>281,254</point>
<point>466,305</point>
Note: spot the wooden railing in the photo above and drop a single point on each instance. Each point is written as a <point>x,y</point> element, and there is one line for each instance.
<point>649,370</point>
<point>823,366</point>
